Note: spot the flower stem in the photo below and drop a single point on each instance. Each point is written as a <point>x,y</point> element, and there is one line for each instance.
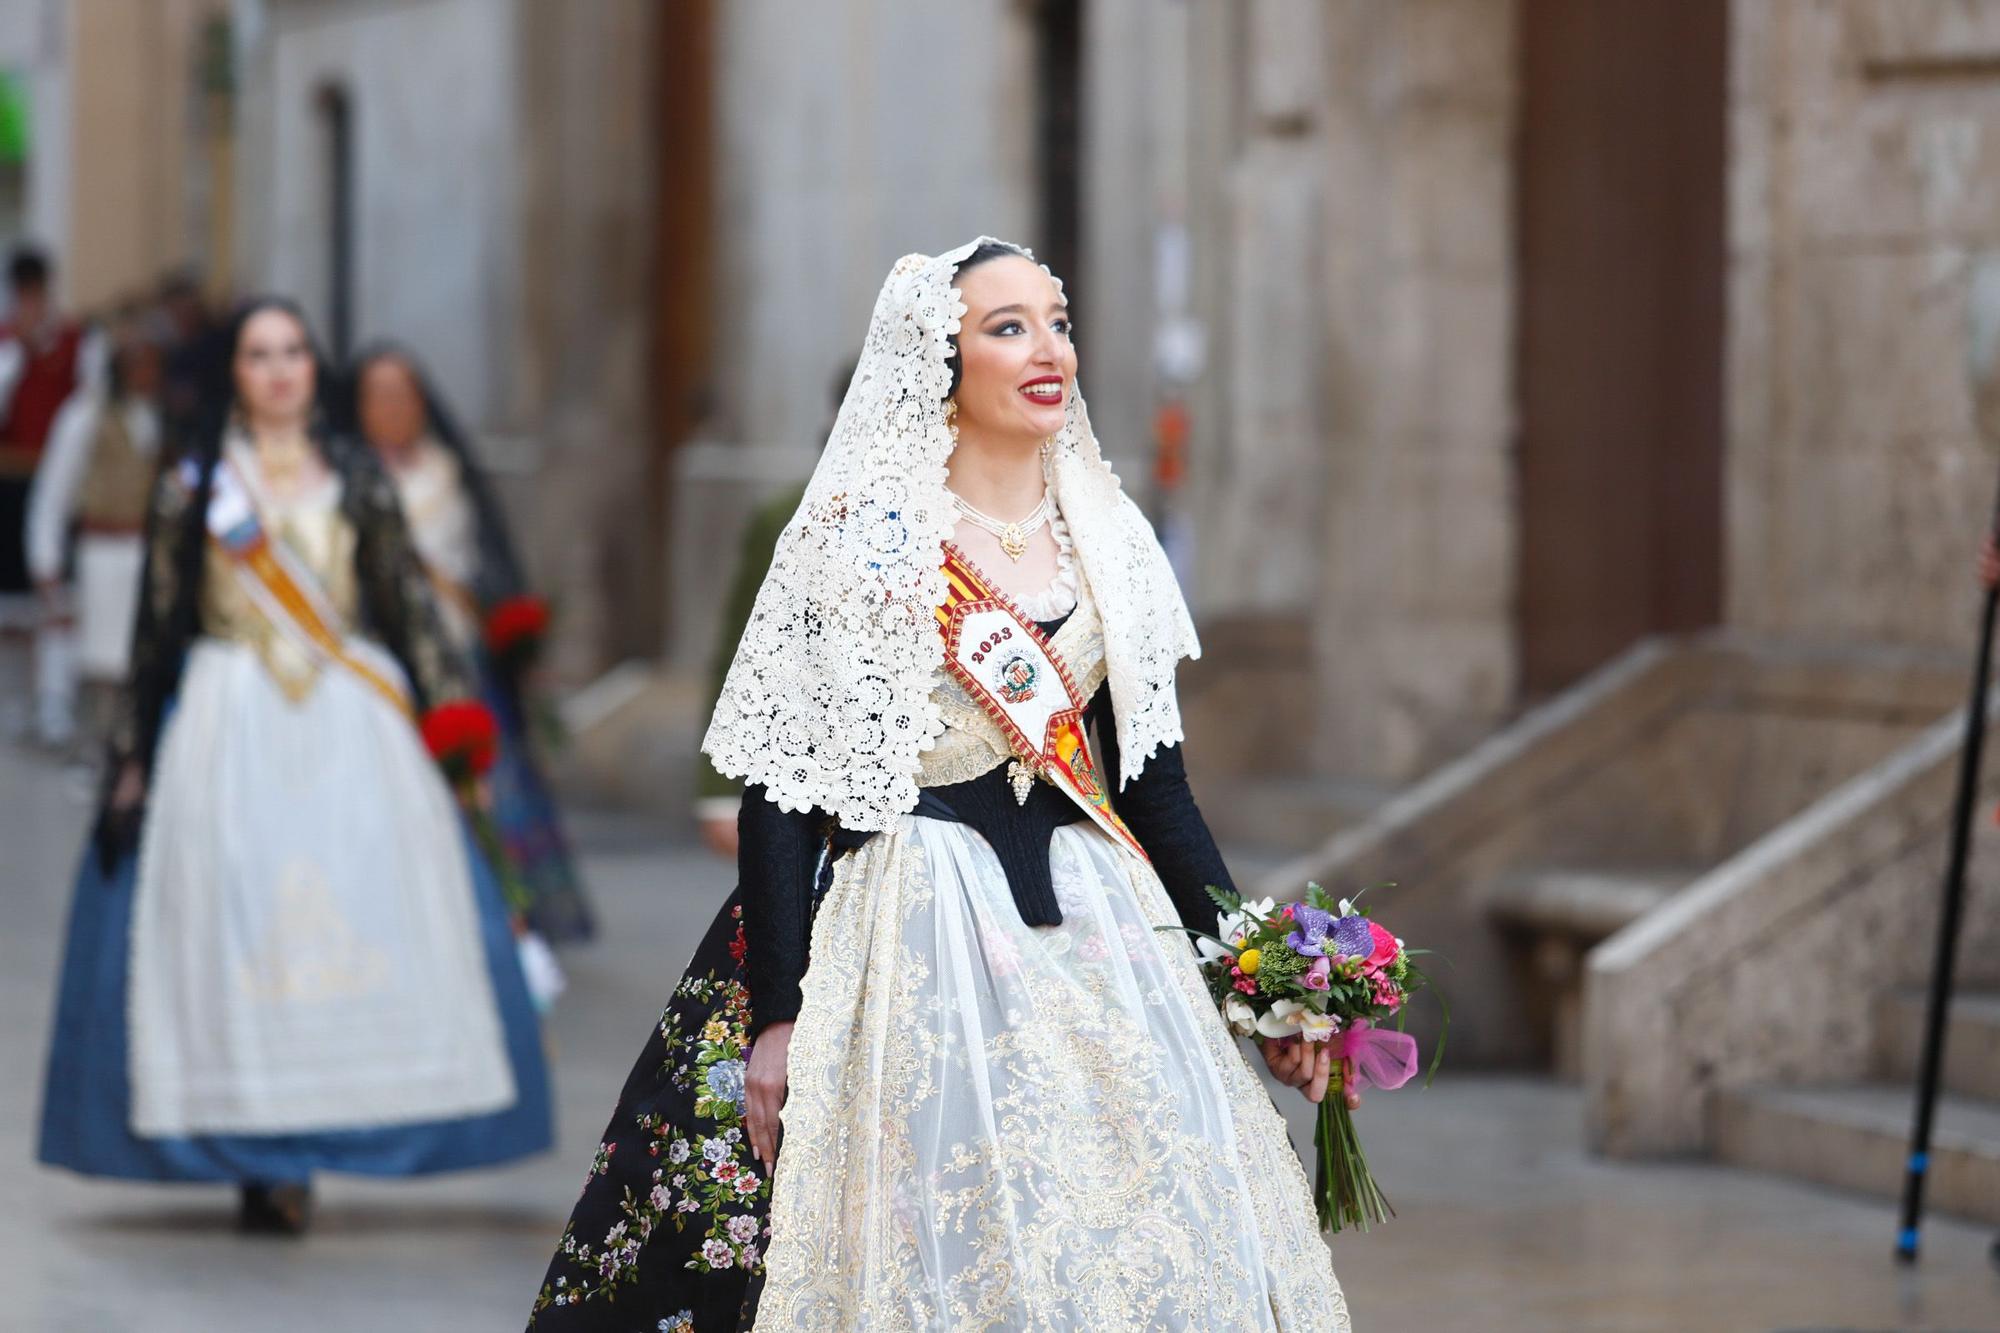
<point>1346,1193</point>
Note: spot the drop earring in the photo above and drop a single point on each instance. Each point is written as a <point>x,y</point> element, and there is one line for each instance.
<point>951,418</point>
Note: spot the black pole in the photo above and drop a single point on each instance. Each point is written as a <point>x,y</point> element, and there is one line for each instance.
<point>1931,1070</point>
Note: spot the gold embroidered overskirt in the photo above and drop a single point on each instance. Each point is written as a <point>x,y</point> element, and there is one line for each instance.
<point>998,1126</point>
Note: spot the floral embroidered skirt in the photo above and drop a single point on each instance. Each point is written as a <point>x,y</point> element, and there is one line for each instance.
<point>669,1232</point>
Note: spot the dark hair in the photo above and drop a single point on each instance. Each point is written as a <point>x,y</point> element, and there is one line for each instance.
<point>205,447</point>
<point>28,267</point>
<point>986,252</point>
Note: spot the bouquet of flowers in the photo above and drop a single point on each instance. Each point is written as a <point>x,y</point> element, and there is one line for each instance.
<point>464,739</point>
<point>1321,970</point>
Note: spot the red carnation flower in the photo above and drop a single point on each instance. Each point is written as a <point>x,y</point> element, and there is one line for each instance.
<point>462,737</point>
<point>516,627</point>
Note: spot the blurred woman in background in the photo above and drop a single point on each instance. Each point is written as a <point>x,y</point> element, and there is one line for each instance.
<point>93,478</point>
<point>461,535</point>
<point>283,957</point>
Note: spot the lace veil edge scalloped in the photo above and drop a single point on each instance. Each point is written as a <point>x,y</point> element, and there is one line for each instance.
<point>827,703</point>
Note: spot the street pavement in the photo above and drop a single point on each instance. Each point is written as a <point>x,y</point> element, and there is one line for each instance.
<point>1505,1224</point>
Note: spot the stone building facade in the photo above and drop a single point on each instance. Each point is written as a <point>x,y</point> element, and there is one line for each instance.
<point>124,160</point>
<point>1504,333</point>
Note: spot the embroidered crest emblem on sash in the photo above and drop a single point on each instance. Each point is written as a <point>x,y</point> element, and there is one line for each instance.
<point>1017,680</point>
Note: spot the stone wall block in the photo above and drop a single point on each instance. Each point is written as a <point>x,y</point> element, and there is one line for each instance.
<point>1941,30</point>
<point>1752,142</point>
<point>1875,346</point>
<point>1274,414</point>
<point>1457,51</point>
<point>1447,171</point>
<point>1750,409</point>
<point>1891,168</point>
<point>1752,55</point>
<point>1287,62</point>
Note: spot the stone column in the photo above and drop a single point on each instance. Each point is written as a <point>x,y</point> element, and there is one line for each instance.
<point>1864,171</point>
<point>848,135</point>
<point>1414,531</point>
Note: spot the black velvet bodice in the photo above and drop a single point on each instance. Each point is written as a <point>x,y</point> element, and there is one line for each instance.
<point>779,858</point>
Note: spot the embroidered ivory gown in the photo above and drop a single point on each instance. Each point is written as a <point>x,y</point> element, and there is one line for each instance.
<point>1012,1105</point>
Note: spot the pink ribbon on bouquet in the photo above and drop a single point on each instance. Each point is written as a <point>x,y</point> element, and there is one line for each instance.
<point>1380,1059</point>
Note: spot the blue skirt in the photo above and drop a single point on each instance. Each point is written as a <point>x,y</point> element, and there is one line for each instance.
<point>86,1107</point>
<point>524,811</point>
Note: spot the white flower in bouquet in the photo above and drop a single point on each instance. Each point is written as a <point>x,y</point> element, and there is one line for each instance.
<point>1233,926</point>
<point>1316,1026</point>
<point>1281,1019</point>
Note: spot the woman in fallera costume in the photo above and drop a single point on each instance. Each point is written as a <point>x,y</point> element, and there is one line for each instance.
<point>1008,1101</point>
<point>461,534</point>
<point>283,957</point>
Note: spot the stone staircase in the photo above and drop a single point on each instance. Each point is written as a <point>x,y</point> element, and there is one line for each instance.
<point>1856,1136</point>
<point>1556,915</point>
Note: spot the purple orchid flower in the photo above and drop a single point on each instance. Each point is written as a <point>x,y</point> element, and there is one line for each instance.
<point>1309,940</point>
<point>1352,938</point>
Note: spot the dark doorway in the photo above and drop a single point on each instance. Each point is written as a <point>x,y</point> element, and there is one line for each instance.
<point>1059,29</point>
<point>336,113</point>
<point>1622,270</point>
<point>685,254</point>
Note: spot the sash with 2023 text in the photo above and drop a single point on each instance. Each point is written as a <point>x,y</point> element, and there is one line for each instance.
<point>1010,668</point>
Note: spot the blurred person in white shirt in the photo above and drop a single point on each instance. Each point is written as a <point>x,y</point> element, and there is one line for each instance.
<point>92,481</point>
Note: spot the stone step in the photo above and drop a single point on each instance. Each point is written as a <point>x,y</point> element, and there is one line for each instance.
<point>1857,1138</point>
<point>1284,815</point>
<point>1588,903</point>
<point>1971,1042</point>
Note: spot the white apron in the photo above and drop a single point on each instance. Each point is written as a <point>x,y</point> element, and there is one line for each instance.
<point>992,1125</point>
<point>306,950</point>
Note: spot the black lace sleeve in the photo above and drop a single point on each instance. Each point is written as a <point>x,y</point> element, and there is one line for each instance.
<point>163,626</point>
<point>777,859</point>
<point>395,592</point>
<point>1159,808</point>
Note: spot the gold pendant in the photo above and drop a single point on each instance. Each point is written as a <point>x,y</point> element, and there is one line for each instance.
<point>1023,779</point>
<point>1014,542</point>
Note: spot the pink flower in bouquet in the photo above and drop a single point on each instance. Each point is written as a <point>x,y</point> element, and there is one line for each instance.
<point>1385,947</point>
<point>1314,977</point>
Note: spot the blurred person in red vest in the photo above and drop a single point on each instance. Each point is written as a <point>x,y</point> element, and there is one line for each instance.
<point>44,358</point>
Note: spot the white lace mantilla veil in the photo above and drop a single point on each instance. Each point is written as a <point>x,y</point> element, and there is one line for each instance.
<point>827,703</point>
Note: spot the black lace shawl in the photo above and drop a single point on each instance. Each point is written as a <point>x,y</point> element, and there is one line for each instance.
<point>396,605</point>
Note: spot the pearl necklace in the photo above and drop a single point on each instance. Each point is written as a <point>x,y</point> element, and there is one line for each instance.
<point>1013,536</point>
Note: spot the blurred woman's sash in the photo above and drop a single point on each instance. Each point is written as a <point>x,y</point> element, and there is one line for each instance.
<point>283,589</point>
